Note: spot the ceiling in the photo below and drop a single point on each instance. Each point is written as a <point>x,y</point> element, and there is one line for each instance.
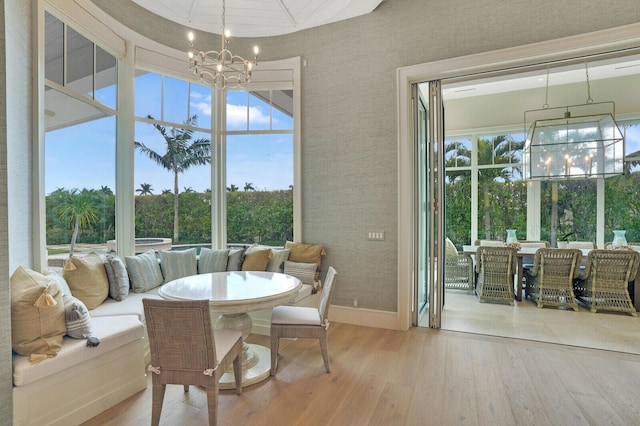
<point>258,18</point>
<point>559,74</point>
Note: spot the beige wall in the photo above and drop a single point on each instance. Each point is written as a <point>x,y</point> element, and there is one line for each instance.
<point>15,172</point>
<point>349,154</point>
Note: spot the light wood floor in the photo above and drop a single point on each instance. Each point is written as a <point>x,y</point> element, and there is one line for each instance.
<point>418,377</point>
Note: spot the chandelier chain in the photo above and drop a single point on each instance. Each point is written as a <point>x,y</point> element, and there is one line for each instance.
<point>586,70</point>
<point>224,14</point>
<point>546,94</point>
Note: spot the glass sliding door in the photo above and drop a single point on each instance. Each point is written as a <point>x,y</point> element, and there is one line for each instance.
<point>429,209</point>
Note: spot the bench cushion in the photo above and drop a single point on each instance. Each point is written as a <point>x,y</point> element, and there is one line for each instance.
<point>132,305</point>
<point>113,332</point>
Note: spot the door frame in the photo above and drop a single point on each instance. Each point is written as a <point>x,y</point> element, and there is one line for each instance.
<point>613,39</point>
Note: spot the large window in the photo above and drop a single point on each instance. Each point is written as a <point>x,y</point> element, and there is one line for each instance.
<point>80,139</point>
<point>259,163</point>
<point>172,159</point>
<point>187,167</point>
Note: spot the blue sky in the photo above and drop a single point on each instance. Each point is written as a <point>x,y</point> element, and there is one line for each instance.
<point>265,160</point>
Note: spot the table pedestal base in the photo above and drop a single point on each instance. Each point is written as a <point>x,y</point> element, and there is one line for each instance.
<point>256,366</point>
<point>256,359</point>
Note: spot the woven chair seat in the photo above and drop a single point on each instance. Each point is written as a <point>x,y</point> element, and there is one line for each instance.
<point>550,282</point>
<point>496,267</point>
<point>604,285</point>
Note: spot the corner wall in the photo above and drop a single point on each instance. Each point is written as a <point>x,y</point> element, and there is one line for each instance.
<point>15,172</point>
<point>6,378</point>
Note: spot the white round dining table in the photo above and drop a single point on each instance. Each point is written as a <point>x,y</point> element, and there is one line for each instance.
<point>231,296</point>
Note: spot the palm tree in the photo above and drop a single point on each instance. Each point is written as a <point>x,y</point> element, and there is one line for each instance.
<point>166,191</point>
<point>78,208</point>
<point>188,189</point>
<point>248,186</point>
<point>105,190</point>
<point>145,189</point>
<point>499,150</point>
<point>181,153</point>
<point>232,188</point>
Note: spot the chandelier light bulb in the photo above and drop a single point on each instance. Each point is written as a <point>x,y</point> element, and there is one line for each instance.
<point>190,36</point>
<point>256,50</point>
<point>227,33</point>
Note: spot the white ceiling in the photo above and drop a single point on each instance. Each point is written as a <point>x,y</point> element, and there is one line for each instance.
<point>258,18</point>
<point>558,75</point>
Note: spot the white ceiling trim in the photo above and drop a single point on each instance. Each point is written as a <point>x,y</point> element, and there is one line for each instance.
<point>258,18</point>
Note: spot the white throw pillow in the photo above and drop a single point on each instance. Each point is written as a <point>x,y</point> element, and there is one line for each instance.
<point>305,272</point>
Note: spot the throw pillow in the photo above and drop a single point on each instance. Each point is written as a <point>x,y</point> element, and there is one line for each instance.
<point>144,271</point>
<point>178,263</point>
<point>234,262</point>
<point>118,278</point>
<point>276,262</point>
<point>305,272</point>
<point>37,315</point>
<point>212,260</point>
<point>62,283</point>
<point>77,318</point>
<point>256,260</point>
<point>87,279</point>
<point>305,253</point>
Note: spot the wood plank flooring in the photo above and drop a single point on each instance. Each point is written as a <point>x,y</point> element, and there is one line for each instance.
<point>418,377</point>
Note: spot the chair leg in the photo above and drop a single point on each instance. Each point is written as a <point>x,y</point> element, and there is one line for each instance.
<point>275,341</point>
<point>157,393</point>
<point>325,352</point>
<point>212,404</point>
<point>186,388</point>
<point>237,373</point>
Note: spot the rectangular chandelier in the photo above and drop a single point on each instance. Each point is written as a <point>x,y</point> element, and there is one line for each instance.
<point>573,142</point>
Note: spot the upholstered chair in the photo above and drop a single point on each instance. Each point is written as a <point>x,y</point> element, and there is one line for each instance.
<point>303,323</point>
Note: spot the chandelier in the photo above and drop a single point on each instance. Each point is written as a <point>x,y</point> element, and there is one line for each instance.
<point>221,69</point>
<point>576,141</point>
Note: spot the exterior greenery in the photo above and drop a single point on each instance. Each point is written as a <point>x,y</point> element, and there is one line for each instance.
<point>264,216</point>
<point>502,198</point>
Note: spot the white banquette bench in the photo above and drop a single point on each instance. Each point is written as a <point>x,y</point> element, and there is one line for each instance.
<point>67,381</point>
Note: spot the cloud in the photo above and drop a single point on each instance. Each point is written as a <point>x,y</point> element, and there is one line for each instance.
<point>237,116</point>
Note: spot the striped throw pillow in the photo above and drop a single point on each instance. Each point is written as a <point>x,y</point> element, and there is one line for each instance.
<point>212,260</point>
<point>305,272</point>
<point>144,271</point>
<point>177,264</point>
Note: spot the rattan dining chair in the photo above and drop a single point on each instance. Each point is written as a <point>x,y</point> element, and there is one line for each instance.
<point>185,350</point>
<point>550,282</point>
<point>604,284</point>
<point>303,323</point>
<point>458,269</point>
<point>496,267</point>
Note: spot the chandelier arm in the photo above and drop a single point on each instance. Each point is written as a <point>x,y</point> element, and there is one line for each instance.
<point>221,69</point>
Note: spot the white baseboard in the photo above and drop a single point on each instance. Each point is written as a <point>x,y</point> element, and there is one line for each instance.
<point>364,317</point>
<point>344,314</point>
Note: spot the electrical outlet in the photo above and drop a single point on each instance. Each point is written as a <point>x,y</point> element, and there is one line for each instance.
<point>375,235</point>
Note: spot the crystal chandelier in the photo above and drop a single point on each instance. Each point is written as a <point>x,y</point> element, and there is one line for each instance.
<point>221,69</point>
